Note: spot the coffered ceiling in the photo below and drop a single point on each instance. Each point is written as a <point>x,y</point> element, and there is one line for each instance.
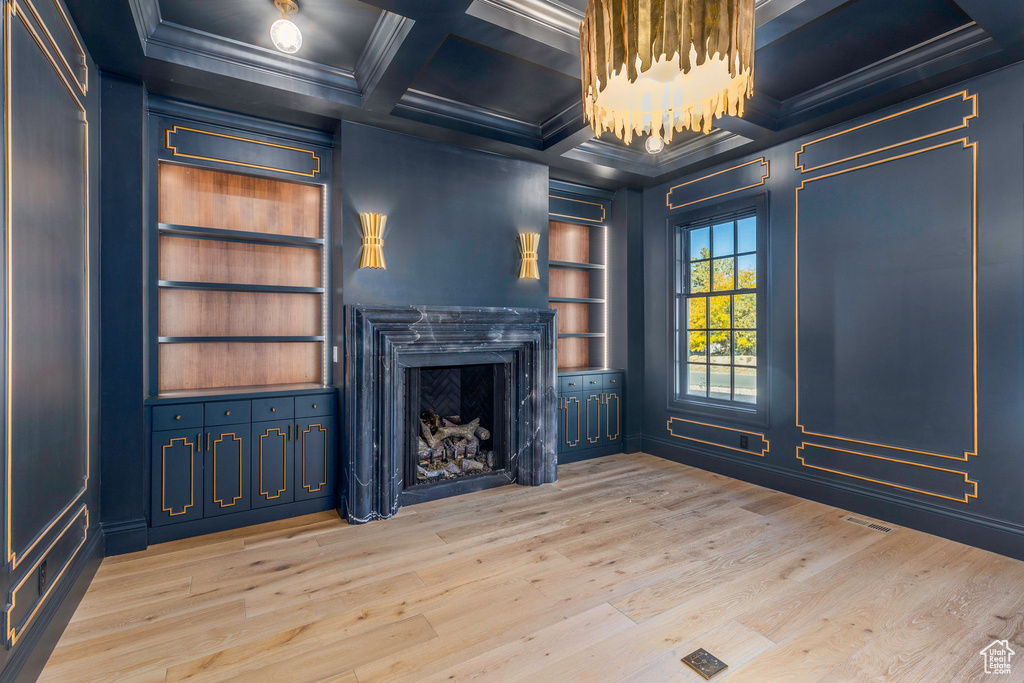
<point>503,75</point>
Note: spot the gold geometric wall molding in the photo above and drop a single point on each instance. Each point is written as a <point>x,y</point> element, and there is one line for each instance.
<point>13,554</point>
<point>677,429</point>
<point>972,147</point>
<point>957,486</point>
<point>750,174</point>
<point>959,108</point>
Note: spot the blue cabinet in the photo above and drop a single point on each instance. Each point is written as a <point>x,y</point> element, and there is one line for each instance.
<point>233,459</point>
<point>315,441</point>
<point>226,470</point>
<point>590,414</point>
<point>272,463</point>
<point>177,494</point>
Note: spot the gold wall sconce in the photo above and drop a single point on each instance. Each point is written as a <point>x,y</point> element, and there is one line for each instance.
<point>373,240</point>
<point>528,244</point>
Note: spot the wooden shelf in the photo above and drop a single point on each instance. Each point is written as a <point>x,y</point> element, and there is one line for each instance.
<point>231,287</point>
<point>570,300</point>
<point>256,339</point>
<point>576,272</point>
<point>240,281</point>
<point>573,264</point>
<point>238,235</point>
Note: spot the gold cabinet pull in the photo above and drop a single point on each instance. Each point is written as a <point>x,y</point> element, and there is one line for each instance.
<point>207,440</point>
<point>289,432</point>
<point>177,417</point>
<point>314,405</point>
<point>227,412</point>
<point>273,410</point>
<point>199,442</point>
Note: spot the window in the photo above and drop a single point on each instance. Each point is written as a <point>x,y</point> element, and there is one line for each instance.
<point>718,284</point>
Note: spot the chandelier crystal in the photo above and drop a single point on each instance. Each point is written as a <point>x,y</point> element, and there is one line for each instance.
<point>657,66</point>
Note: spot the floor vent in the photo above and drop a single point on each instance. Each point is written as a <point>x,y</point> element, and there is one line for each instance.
<point>871,525</point>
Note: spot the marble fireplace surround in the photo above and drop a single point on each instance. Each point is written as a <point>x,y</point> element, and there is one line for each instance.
<point>381,342</point>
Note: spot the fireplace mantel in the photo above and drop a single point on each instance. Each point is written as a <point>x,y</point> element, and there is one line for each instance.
<point>380,341</point>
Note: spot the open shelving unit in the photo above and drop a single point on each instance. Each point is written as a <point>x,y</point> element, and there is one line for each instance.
<point>241,280</point>
<point>577,277</point>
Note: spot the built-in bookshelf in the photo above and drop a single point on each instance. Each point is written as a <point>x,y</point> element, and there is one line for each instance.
<point>577,259</point>
<point>240,269</point>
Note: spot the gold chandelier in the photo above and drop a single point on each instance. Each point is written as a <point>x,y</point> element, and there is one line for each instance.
<point>655,66</point>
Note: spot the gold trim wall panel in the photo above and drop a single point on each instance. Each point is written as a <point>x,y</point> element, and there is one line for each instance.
<point>11,9</point>
<point>608,415</point>
<point>604,213</point>
<point>565,405</point>
<point>323,483</point>
<point>82,80</point>
<point>14,632</point>
<point>966,497</point>
<point>191,477</point>
<point>766,172</point>
<point>595,397</point>
<point>965,121</point>
<point>973,147</point>
<point>758,435</point>
<point>173,149</point>
<point>284,464</point>
<point>235,499</point>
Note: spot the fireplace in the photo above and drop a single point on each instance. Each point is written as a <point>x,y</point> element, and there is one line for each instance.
<point>441,401</point>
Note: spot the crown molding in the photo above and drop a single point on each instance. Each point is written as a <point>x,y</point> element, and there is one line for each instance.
<point>428,108</point>
<point>674,158</point>
<point>384,43</point>
<point>939,54</point>
<point>195,113</point>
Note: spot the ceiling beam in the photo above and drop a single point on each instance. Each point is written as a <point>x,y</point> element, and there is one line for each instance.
<point>779,18</point>
<point>417,47</point>
<point>1001,19</point>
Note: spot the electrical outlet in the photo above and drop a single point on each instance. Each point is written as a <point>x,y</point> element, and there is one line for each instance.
<point>744,442</point>
<point>42,577</point>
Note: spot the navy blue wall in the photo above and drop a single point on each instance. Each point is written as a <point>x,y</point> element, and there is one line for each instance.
<point>882,219</point>
<point>52,168</point>
<point>121,363</point>
<point>453,219</point>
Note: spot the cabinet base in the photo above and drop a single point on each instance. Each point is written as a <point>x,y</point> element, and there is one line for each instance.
<point>174,532</point>
<point>588,453</point>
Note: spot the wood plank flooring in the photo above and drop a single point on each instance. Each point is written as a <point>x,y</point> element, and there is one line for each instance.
<point>616,572</point>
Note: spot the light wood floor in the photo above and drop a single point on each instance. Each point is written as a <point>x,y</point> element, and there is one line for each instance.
<point>614,573</point>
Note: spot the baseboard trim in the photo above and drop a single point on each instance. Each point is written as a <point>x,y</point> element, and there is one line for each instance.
<point>32,652</point>
<point>199,527</point>
<point>589,453</point>
<point>975,530</point>
<point>129,536</point>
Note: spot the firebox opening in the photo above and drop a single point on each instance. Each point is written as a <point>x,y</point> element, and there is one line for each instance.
<point>455,431</point>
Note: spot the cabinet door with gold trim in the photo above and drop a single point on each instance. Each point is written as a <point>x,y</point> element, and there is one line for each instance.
<point>612,417</point>
<point>570,423</point>
<point>593,424</point>
<point>226,469</point>
<point>177,476</point>
<point>315,457</point>
<point>272,466</point>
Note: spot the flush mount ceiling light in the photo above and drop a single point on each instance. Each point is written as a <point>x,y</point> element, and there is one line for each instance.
<point>286,36</point>
<point>658,66</point>
<point>654,144</point>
